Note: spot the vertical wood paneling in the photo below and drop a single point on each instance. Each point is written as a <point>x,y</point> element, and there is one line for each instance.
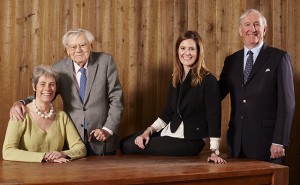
<point>277,24</point>
<point>76,13</point>
<point>86,14</point>
<point>149,62</point>
<point>107,26</point>
<point>6,46</point>
<point>35,44</point>
<point>129,86</point>
<point>193,14</point>
<point>66,18</point>
<point>207,27</point>
<point>141,36</point>
<point>166,52</point>
<point>122,42</point>
<point>180,17</point>
<point>266,7</point>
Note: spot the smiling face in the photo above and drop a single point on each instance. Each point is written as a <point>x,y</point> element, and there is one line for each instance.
<point>252,30</point>
<point>187,53</point>
<point>79,49</point>
<point>45,89</point>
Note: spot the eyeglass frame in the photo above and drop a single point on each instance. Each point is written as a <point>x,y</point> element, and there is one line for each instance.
<point>82,46</point>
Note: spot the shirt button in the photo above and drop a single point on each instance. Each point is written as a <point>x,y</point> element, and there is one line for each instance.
<point>244,101</point>
<point>242,117</point>
<point>198,129</point>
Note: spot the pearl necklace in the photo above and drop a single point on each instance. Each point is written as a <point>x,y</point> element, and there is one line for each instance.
<point>44,114</point>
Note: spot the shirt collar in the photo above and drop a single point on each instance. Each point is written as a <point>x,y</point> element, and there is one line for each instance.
<point>77,67</point>
<point>254,50</point>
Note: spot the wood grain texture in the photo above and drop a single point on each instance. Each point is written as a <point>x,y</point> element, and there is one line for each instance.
<point>145,170</point>
<point>141,35</point>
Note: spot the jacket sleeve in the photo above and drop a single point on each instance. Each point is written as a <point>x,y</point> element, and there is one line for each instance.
<point>224,90</point>
<point>286,101</point>
<point>212,105</point>
<point>168,112</point>
<point>27,100</point>
<point>115,96</point>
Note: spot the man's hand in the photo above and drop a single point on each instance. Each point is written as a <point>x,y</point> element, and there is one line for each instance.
<point>17,111</point>
<point>277,151</point>
<point>99,134</point>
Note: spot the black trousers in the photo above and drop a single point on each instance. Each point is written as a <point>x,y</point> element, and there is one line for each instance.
<point>162,145</point>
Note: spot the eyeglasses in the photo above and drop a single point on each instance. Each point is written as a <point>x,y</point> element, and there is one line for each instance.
<point>82,46</point>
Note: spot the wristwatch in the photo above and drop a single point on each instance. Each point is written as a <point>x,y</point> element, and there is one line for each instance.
<point>216,151</point>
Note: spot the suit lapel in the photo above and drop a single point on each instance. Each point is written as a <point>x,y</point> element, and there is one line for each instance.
<point>240,66</point>
<point>184,88</point>
<point>92,68</point>
<point>70,72</point>
<point>261,58</point>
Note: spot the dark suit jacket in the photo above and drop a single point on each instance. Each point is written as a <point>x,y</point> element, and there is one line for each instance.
<point>261,110</point>
<point>198,107</point>
<point>103,103</point>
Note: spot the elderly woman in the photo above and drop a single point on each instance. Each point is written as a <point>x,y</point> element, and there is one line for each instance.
<point>192,112</point>
<point>44,131</point>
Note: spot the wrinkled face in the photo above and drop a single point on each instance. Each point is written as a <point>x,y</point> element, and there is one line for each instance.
<point>79,49</point>
<point>252,30</point>
<point>187,53</point>
<point>45,89</point>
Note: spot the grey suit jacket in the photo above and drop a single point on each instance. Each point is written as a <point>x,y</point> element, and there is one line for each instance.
<point>103,103</point>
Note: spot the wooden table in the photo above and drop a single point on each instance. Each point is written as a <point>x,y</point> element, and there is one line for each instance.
<point>134,169</point>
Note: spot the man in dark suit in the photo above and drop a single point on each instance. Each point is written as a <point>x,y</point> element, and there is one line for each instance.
<point>96,114</point>
<point>261,88</point>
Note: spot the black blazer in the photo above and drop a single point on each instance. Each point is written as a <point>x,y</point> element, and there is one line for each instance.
<point>261,110</point>
<point>198,107</point>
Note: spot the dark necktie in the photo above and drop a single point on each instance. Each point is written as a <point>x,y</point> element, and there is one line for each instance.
<point>249,65</point>
<point>82,93</point>
<point>82,83</point>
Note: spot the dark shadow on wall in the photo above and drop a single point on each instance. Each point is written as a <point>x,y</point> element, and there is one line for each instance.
<point>292,159</point>
<point>149,99</point>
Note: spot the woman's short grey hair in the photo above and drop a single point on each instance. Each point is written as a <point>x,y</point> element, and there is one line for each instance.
<point>41,70</point>
<point>75,33</point>
<point>264,21</point>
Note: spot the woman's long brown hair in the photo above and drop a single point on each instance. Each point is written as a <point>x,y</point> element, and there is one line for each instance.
<point>199,69</point>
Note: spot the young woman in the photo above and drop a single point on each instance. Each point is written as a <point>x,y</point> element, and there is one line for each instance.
<point>192,112</point>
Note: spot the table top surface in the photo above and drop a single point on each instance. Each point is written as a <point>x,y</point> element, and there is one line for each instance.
<point>128,168</point>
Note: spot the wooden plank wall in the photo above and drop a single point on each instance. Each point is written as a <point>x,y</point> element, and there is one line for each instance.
<point>141,36</point>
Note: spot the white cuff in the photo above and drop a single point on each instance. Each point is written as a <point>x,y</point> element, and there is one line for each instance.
<point>109,131</point>
<point>277,144</point>
<point>158,124</point>
<point>215,143</point>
